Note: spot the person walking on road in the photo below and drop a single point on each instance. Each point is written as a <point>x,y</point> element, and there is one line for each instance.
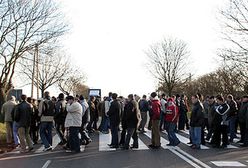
<point>144,108</point>
<point>114,118</point>
<point>155,117</point>
<point>73,122</point>
<point>196,122</point>
<point>46,112</point>
<point>22,116</point>
<point>243,121</point>
<point>59,118</point>
<point>221,122</point>
<point>171,118</point>
<point>7,109</point>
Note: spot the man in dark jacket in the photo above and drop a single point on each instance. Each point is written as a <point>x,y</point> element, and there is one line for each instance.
<point>59,118</point>
<point>114,117</point>
<point>220,123</point>
<point>243,121</point>
<point>22,116</point>
<point>232,116</point>
<point>196,122</point>
<point>130,118</point>
<point>211,111</point>
<point>144,108</point>
<point>46,112</point>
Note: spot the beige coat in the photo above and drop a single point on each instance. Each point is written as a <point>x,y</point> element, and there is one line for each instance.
<point>74,115</point>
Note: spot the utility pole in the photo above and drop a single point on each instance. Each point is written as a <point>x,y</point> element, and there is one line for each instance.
<point>33,75</point>
<point>37,69</point>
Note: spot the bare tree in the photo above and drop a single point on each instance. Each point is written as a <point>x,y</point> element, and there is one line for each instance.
<point>234,22</point>
<point>53,68</point>
<point>167,62</point>
<point>72,83</point>
<point>24,24</point>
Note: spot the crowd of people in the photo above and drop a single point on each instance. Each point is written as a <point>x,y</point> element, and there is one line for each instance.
<point>212,119</point>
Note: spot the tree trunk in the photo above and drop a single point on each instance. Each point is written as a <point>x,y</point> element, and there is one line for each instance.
<point>3,98</point>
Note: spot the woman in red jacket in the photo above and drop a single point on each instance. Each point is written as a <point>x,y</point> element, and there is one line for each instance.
<point>171,118</point>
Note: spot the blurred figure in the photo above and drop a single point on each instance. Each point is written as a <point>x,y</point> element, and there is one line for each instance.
<point>7,109</point>
<point>73,122</point>
<point>155,117</point>
<point>144,108</point>
<point>171,118</point>
<point>22,116</point>
<point>59,118</point>
<point>114,118</point>
<point>46,112</point>
<point>196,122</point>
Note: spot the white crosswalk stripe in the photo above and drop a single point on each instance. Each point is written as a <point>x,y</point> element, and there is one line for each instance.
<point>104,140</point>
<point>202,146</point>
<point>228,164</point>
<point>185,140</point>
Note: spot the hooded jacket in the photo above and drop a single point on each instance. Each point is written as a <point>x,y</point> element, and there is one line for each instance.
<point>74,115</point>
<point>156,109</point>
<point>221,115</point>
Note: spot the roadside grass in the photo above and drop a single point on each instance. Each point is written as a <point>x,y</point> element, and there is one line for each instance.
<point>2,133</point>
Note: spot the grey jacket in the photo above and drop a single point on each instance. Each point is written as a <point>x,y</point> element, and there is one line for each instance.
<point>7,110</point>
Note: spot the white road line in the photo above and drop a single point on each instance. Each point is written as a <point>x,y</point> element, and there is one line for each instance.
<point>180,153</point>
<point>192,158</point>
<point>56,140</point>
<point>104,140</point>
<point>228,164</point>
<point>142,146</point>
<point>27,156</point>
<point>186,140</point>
<point>46,164</point>
<point>183,140</point>
<point>82,148</point>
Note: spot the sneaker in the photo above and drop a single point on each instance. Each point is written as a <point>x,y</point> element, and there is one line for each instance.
<point>30,149</point>
<point>47,149</point>
<point>88,141</point>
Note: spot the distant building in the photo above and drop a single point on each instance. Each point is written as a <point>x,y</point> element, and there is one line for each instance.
<point>15,92</point>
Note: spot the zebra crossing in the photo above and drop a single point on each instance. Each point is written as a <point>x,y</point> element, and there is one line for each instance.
<point>105,139</point>
<point>101,142</point>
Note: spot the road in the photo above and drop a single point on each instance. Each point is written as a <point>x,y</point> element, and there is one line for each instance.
<point>98,154</point>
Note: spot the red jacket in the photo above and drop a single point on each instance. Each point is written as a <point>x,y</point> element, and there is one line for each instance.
<point>156,108</point>
<point>171,113</point>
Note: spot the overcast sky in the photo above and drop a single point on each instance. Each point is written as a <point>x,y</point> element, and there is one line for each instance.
<point>108,38</point>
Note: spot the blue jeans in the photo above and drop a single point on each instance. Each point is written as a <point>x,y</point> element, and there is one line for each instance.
<point>74,139</point>
<point>46,133</point>
<point>106,124</point>
<point>114,133</point>
<point>195,135</point>
<point>232,127</point>
<point>170,128</point>
<point>15,133</point>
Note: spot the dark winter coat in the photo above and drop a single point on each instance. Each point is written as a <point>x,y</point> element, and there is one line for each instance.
<point>233,108</point>
<point>143,105</point>
<point>221,115</point>
<point>197,115</point>
<point>114,113</point>
<point>130,115</point>
<point>22,114</point>
<point>243,113</point>
<point>60,111</point>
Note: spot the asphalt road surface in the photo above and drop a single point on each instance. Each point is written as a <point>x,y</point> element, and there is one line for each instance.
<point>98,155</point>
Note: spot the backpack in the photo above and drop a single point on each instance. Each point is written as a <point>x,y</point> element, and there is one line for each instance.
<point>48,108</point>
